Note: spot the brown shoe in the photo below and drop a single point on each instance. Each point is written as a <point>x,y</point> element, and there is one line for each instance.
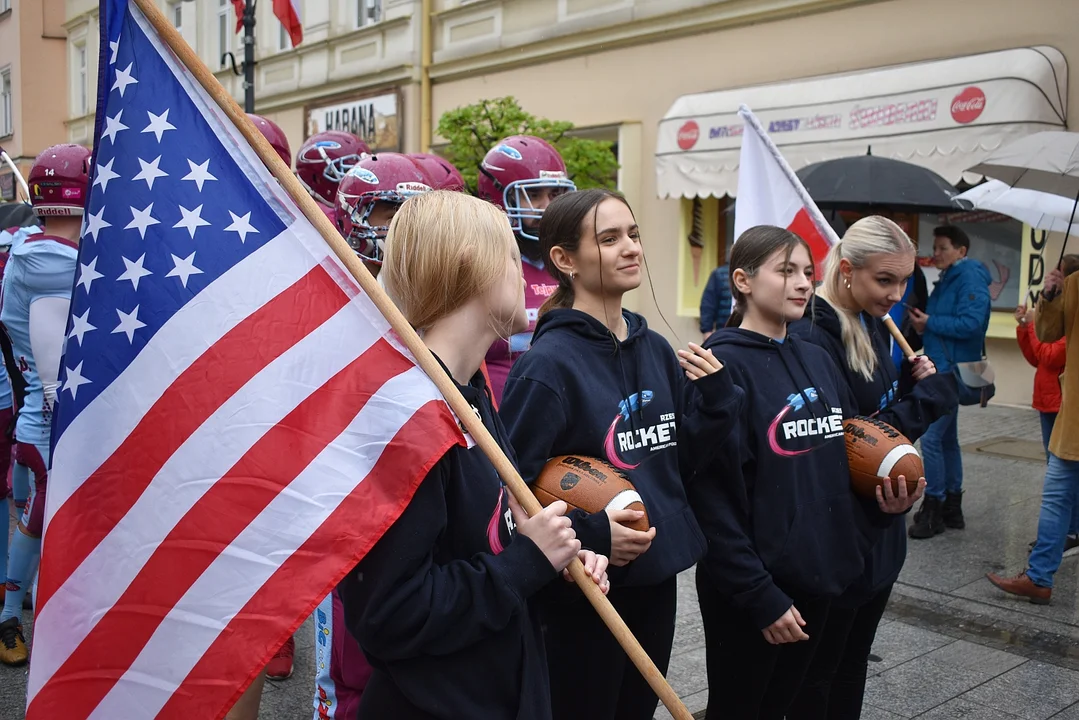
<point>1022,586</point>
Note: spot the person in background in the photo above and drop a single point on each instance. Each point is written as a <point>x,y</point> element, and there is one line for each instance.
<point>953,329</point>
<point>1057,317</point>
<point>1048,362</point>
<point>522,175</point>
<point>716,302</point>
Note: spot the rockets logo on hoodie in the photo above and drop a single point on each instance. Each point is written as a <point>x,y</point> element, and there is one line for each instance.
<point>623,439</point>
<point>783,433</point>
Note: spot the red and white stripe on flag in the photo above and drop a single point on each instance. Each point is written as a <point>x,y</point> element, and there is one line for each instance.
<point>769,193</point>
<point>261,429</point>
<point>288,12</point>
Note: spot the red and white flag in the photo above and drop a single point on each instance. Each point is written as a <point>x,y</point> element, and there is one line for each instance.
<point>237,423</point>
<point>769,193</point>
<point>287,11</point>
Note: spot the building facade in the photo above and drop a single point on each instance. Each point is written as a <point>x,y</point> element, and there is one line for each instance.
<point>33,75</point>
<point>928,81</point>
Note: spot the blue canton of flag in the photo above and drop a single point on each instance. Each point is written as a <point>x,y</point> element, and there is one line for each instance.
<point>169,211</point>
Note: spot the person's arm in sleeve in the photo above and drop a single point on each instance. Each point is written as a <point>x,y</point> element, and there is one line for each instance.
<point>1024,335</point>
<point>400,603</point>
<point>968,318</point>
<point>920,403</point>
<point>709,304</point>
<point>710,410</point>
<point>48,321</point>
<point>535,420</point>
<point>721,501</point>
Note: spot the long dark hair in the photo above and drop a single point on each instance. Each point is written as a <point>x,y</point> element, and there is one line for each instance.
<point>562,226</point>
<point>751,251</point>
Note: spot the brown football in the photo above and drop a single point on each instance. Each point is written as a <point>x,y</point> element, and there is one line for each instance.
<point>876,450</point>
<point>589,484</point>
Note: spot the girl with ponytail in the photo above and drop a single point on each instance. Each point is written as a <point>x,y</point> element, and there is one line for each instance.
<point>865,274</point>
<point>598,383</point>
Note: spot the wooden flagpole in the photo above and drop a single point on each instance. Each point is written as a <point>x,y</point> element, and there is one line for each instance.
<point>889,323</point>
<point>410,339</point>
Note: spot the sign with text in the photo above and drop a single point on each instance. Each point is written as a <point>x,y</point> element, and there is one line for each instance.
<point>374,119</point>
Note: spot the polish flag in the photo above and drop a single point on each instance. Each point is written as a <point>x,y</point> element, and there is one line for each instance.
<point>769,193</point>
<point>287,11</point>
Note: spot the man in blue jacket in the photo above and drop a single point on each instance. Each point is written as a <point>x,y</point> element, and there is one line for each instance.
<point>953,329</point>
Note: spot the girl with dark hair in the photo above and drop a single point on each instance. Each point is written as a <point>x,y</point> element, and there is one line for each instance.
<point>784,534</point>
<point>598,383</point>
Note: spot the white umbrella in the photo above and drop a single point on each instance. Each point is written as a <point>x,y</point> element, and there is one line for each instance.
<point>1046,161</point>
<point>1040,210</point>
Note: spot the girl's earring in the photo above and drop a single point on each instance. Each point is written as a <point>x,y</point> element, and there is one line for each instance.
<point>848,283</point>
<point>572,275</point>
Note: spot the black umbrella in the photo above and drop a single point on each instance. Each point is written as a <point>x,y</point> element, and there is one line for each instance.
<point>861,181</point>
<point>16,214</point>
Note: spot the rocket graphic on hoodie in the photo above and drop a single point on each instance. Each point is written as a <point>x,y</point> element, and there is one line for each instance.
<point>776,505</point>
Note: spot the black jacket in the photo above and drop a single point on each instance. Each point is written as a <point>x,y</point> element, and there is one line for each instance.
<point>440,604</point>
<point>896,399</point>
<point>776,505</point>
<point>578,391</point>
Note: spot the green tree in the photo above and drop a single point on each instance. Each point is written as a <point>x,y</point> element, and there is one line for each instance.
<point>472,130</point>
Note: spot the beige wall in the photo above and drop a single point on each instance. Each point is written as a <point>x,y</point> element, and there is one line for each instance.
<point>638,84</point>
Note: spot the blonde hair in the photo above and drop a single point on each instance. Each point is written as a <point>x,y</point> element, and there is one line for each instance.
<point>442,250</point>
<point>869,236</point>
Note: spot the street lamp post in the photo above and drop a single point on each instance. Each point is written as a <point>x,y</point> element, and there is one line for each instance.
<point>248,64</point>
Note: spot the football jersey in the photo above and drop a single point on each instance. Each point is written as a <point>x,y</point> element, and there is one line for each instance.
<point>42,267</point>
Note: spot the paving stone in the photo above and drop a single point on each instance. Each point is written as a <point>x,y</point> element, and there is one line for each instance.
<point>1032,691</point>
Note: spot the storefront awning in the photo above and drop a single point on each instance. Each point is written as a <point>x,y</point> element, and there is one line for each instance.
<point>947,115</point>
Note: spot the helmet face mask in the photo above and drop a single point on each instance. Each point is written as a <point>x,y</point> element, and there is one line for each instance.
<point>517,199</point>
<point>511,173</point>
<point>323,161</point>
<point>384,178</point>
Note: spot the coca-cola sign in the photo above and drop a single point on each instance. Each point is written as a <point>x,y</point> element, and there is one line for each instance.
<point>968,105</point>
<point>688,134</point>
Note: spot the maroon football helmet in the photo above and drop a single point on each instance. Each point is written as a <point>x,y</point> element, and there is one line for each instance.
<point>516,165</point>
<point>60,181</point>
<point>323,160</point>
<point>441,172</point>
<point>274,135</point>
<point>387,177</point>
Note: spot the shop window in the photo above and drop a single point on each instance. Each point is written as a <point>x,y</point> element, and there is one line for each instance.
<point>703,241</point>
<point>995,241</point>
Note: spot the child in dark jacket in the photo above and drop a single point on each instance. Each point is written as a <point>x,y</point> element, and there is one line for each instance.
<point>865,274</point>
<point>440,605</point>
<point>785,533</point>
<point>598,383</point>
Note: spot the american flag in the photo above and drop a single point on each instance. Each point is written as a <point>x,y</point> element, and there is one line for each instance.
<point>237,423</point>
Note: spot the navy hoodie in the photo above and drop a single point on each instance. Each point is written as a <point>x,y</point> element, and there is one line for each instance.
<point>776,506</point>
<point>579,391</point>
<point>892,397</point>
<point>440,604</point>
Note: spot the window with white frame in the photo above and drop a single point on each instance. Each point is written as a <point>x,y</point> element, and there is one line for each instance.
<point>7,125</point>
<point>224,30</point>
<point>5,5</point>
<point>176,15</point>
<point>368,12</point>
<point>81,98</point>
